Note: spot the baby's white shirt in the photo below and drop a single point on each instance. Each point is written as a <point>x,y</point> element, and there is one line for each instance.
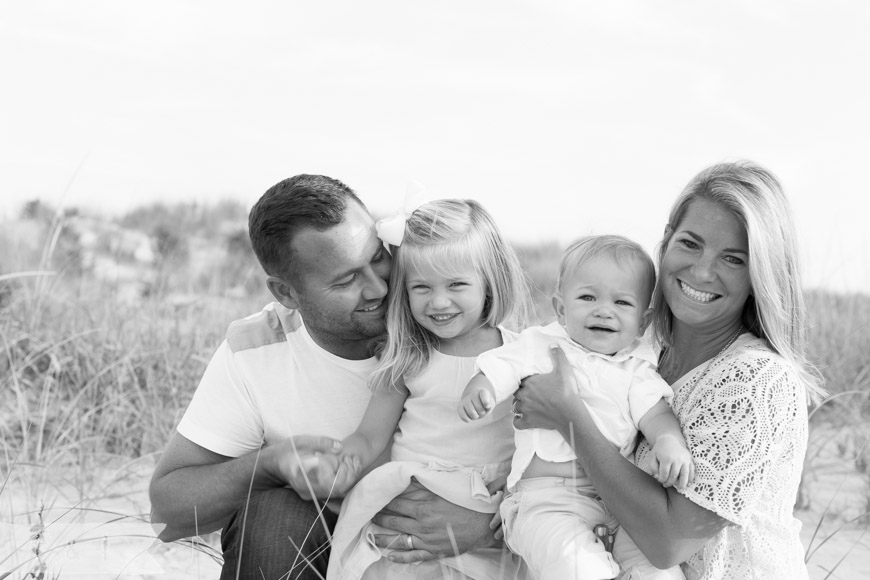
<point>618,390</point>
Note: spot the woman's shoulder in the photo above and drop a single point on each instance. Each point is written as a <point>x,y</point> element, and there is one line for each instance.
<point>752,368</point>
<point>750,352</point>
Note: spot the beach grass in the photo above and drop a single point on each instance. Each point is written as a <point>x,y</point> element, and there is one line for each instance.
<point>100,352</point>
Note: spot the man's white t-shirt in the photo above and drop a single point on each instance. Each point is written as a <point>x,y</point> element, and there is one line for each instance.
<point>269,381</point>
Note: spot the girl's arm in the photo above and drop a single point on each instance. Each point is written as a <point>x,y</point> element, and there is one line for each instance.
<point>666,526</point>
<point>362,447</point>
<point>671,460</point>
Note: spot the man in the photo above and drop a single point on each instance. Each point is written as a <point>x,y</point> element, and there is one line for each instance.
<point>288,384</point>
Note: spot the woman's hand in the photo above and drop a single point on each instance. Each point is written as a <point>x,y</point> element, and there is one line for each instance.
<point>428,526</point>
<point>547,401</point>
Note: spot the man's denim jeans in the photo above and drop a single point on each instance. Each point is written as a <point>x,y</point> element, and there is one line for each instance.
<point>284,538</point>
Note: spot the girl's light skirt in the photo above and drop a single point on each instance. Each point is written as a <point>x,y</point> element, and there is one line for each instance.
<point>354,554</point>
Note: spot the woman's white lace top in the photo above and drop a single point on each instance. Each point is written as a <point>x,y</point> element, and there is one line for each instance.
<point>745,420</point>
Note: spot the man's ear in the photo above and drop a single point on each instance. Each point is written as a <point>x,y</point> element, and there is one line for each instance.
<point>559,308</point>
<point>283,291</point>
<point>645,320</point>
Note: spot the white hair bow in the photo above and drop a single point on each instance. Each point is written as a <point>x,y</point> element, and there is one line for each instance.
<point>392,229</point>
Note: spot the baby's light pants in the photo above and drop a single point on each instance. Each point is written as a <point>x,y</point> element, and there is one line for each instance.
<point>548,521</point>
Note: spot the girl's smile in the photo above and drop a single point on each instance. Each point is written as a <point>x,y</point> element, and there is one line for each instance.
<point>446,302</point>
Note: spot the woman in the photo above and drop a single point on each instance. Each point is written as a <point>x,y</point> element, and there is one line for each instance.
<point>730,320</point>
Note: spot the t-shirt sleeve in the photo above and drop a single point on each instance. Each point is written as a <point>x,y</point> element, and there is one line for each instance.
<point>510,363</point>
<point>221,416</point>
<point>646,390</point>
<point>742,416</point>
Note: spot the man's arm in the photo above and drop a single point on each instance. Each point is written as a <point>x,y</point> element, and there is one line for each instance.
<point>195,491</point>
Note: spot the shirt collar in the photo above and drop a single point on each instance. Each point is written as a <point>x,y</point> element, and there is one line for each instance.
<point>639,348</point>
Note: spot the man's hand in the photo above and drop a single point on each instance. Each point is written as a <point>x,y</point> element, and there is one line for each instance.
<point>437,528</point>
<point>325,476</point>
<point>306,463</point>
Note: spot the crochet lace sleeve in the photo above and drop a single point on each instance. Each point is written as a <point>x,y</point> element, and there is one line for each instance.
<point>737,421</point>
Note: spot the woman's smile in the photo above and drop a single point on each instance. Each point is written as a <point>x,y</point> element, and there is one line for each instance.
<point>708,249</point>
<point>697,295</point>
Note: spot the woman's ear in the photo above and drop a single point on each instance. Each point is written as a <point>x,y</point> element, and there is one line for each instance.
<point>284,292</point>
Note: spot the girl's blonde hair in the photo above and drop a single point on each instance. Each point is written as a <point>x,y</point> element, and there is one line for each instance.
<point>444,234</point>
<point>775,310</point>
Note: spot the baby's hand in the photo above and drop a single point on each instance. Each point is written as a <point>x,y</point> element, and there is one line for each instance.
<point>672,463</point>
<point>475,405</point>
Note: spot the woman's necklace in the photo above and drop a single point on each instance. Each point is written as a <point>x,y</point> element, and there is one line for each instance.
<point>715,357</point>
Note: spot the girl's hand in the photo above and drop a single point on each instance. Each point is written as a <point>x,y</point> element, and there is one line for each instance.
<point>546,401</point>
<point>476,405</point>
<point>320,471</point>
<point>347,474</point>
<point>296,462</point>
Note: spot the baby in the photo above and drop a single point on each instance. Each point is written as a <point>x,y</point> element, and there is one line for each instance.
<point>551,507</point>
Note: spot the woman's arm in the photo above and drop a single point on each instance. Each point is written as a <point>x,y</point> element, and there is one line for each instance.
<point>666,526</point>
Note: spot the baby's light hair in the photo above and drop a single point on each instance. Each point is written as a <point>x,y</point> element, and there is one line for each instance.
<point>447,234</point>
<point>626,253</point>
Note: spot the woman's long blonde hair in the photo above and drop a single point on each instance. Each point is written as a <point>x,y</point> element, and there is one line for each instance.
<point>775,310</point>
<point>443,234</point>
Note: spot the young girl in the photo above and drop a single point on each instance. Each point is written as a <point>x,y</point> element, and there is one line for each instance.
<point>455,282</point>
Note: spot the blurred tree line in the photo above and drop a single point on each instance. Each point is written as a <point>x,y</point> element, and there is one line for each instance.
<point>187,247</point>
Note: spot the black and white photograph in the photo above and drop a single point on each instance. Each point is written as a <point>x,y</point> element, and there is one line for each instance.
<point>448,290</point>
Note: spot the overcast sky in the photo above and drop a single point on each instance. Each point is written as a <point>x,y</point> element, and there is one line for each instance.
<point>563,118</point>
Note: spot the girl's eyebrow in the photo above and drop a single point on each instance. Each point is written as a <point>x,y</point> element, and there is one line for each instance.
<point>728,250</point>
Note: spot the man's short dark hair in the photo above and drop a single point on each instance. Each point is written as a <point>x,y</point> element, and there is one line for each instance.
<point>302,201</point>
